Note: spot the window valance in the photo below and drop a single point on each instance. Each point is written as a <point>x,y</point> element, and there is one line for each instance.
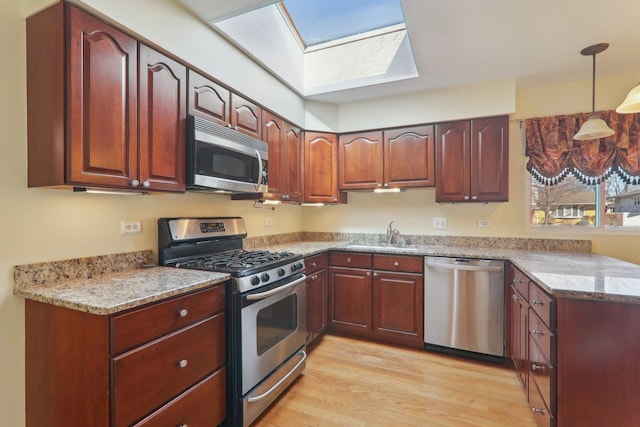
<point>554,154</point>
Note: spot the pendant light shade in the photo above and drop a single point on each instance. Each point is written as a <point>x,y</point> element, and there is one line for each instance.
<point>594,127</point>
<point>631,103</point>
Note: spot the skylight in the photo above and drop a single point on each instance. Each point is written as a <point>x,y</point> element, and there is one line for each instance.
<point>328,20</point>
<point>322,46</point>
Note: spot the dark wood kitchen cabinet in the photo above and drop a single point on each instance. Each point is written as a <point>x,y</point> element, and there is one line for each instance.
<point>89,122</point>
<point>350,293</point>
<point>398,299</point>
<point>246,117</point>
<point>208,99</point>
<point>472,160</point>
<point>317,295</point>
<point>163,113</point>
<point>377,296</point>
<point>320,169</point>
<point>161,364</point>
<point>284,141</point>
<point>391,158</point>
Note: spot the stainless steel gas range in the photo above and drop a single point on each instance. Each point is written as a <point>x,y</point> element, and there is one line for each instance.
<point>266,329</point>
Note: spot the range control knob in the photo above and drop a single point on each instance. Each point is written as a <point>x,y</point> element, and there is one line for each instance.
<point>281,272</point>
<point>265,277</point>
<point>294,267</point>
<point>255,280</point>
<point>300,266</point>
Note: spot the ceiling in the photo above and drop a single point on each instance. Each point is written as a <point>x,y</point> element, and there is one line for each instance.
<point>461,42</point>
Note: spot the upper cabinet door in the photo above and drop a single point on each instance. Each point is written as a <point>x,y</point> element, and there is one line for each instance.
<point>273,134</point>
<point>320,168</point>
<point>360,159</point>
<point>490,159</point>
<point>102,103</point>
<point>453,152</point>
<point>290,165</point>
<point>409,157</point>
<point>246,116</point>
<point>208,100</point>
<point>163,110</point>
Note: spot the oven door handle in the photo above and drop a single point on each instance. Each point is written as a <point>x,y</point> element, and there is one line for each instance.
<point>263,295</point>
<point>283,379</point>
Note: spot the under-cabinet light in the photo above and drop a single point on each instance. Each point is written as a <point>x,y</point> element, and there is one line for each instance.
<point>312,204</point>
<point>111,192</point>
<point>388,190</point>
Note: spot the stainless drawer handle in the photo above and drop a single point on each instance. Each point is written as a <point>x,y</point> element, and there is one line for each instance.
<point>537,411</point>
<point>537,332</point>
<point>183,312</point>
<point>516,281</point>
<point>537,302</point>
<point>516,297</point>
<point>183,363</point>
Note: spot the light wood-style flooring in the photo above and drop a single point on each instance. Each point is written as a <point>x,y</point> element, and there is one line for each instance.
<point>350,382</point>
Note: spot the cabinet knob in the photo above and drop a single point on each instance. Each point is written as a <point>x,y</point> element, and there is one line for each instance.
<point>379,185</point>
<point>516,297</point>
<point>182,425</point>
<point>396,263</point>
<point>368,273</point>
<point>183,312</point>
<point>229,125</point>
<point>375,274</point>
<point>335,199</point>
<point>516,281</point>
<point>466,197</point>
<point>135,183</point>
<point>313,265</point>
<point>386,184</point>
<point>537,410</point>
<point>535,367</point>
<point>348,259</point>
<point>537,332</point>
<point>474,197</point>
<point>183,363</point>
<point>146,184</point>
<point>537,302</point>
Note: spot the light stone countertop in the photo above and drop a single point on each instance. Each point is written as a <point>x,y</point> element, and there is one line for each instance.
<point>117,291</point>
<point>562,274</point>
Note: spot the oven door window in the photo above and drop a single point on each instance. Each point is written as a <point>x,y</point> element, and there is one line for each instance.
<point>220,162</point>
<point>275,322</point>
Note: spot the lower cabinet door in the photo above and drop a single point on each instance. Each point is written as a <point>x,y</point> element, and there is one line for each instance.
<point>202,405</point>
<point>350,301</point>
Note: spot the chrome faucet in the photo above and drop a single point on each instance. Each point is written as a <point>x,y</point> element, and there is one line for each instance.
<point>392,233</point>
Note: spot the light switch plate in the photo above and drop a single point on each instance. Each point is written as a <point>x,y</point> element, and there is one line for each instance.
<point>484,223</point>
<point>130,227</point>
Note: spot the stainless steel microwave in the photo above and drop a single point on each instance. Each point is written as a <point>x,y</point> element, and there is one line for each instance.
<point>221,159</point>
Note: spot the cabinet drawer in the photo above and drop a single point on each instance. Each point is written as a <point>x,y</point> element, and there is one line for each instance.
<point>147,377</point>
<point>350,259</point>
<point>203,404</point>
<point>543,304</point>
<point>543,373</point>
<point>407,264</point>
<point>520,281</point>
<point>315,263</point>
<point>541,414</point>
<point>543,336</point>
<point>143,325</point>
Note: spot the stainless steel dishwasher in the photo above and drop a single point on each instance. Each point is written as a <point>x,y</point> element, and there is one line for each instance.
<point>464,305</point>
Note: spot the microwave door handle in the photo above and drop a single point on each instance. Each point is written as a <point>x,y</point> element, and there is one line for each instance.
<point>259,170</point>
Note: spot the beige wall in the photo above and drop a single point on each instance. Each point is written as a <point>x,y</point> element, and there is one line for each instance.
<point>44,225</point>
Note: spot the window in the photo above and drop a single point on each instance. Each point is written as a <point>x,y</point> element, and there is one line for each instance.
<point>328,20</point>
<point>614,204</point>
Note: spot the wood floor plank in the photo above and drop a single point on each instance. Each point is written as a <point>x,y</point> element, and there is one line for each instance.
<point>357,383</point>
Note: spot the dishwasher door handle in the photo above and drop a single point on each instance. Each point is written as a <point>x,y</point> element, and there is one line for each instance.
<point>489,268</point>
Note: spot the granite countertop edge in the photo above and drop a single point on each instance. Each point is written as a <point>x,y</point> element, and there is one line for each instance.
<point>591,266</point>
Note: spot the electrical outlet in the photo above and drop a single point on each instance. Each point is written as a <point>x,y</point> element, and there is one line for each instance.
<point>130,227</point>
<point>484,223</point>
<point>439,223</point>
<point>268,222</point>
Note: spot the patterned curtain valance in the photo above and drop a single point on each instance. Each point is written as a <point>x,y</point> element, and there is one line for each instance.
<point>554,154</point>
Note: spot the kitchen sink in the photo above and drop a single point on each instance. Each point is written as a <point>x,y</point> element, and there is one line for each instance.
<point>384,247</point>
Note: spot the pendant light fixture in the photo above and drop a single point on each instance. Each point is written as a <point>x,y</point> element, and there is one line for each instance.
<point>594,127</point>
<point>631,103</point>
